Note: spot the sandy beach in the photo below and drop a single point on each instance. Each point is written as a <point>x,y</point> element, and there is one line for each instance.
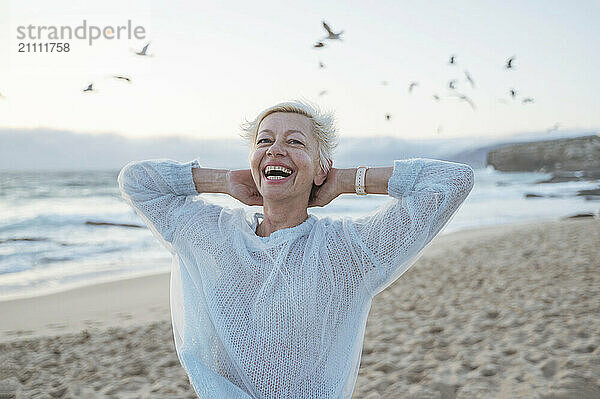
<point>500,312</point>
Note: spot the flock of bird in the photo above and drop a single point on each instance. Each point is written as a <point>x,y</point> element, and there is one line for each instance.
<point>90,88</point>
<point>452,84</point>
<point>143,53</point>
<point>332,35</point>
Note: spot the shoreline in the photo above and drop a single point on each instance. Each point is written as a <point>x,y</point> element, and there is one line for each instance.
<point>108,280</point>
<point>121,303</point>
<point>143,299</point>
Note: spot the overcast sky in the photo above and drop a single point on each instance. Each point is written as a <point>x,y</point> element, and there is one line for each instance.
<point>216,63</point>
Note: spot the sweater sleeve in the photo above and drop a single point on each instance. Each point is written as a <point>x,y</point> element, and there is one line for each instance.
<point>426,194</point>
<point>163,194</point>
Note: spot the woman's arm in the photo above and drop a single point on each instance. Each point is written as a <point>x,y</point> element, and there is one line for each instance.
<point>341,181</point>
<point>426,194</point>
<point>376,180</point>
<point>210,180</point>
<point>237,183</point>
<point>164,193</point>
<point>161,192</point>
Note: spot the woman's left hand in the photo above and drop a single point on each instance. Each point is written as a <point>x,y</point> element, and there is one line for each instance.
<point>327,191</point>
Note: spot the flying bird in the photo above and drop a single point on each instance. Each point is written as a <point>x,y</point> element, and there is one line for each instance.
<point>322,93</point>
<point>509,63</point>
<point>452,83</point>
<point>451,62</point>
<point>89,88</point>
<point>143,52</point>
<point>467,99</point>
<point>412,86</point>
<point>388,117</point>
<point>527,100</point>
<point>513,93</point>
<point>384,82</point>
<point>436,97</point>
<point>469,78</point>
<point>321,65</point>
<point>128,79</point>
<point>319,44</point>
<point>439,129</point>
<point>330,34</point>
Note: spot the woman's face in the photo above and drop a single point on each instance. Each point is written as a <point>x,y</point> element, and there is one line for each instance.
<point>286,138</point>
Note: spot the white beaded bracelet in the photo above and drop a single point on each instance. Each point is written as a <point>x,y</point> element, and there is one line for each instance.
<point>359,185</point>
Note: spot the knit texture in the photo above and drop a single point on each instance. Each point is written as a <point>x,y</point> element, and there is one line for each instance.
<point>284,316</point>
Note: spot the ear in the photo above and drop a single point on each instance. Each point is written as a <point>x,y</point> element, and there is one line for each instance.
<point>322,175</point>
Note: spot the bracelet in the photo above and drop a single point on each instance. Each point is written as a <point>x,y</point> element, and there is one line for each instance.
<point>359,184</point>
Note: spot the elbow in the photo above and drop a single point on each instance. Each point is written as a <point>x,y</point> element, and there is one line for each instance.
<point>468,178</point>
<point>127,176</point>
<point>124,173</point>
<point>463,183</point>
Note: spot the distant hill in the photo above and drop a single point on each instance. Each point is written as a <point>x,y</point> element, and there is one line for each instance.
<point>571,154</point>
<point>34,149</point>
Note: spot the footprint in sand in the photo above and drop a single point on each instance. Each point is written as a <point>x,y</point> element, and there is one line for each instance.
<point>56,326</point>
<point>124,316</point>
<point>92,323</point>
<point>19,332</point>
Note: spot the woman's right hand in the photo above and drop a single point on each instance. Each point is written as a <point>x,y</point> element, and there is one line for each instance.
<point>241,186</point>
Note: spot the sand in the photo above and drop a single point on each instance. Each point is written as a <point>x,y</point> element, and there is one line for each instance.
<point>502,312</point>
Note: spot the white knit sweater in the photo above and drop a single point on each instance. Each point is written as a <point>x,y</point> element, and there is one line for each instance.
<point>283,316</point>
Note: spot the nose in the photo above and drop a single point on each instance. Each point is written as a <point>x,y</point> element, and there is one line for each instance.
<point>276,149</point>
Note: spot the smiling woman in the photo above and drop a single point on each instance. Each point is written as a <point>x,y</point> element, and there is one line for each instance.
<point>278,309</point>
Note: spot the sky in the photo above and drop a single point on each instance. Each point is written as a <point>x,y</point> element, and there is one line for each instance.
<point>216,64</point>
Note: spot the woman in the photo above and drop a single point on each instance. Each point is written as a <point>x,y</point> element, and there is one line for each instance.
<point>278,308</point>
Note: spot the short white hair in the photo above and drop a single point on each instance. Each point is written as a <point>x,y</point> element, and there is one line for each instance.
<point>323,123</point>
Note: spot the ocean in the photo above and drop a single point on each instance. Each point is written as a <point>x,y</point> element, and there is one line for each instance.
<point>59,229</point>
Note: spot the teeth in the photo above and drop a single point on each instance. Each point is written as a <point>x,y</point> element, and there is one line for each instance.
<point>269,168</point>
<point>275,177</point>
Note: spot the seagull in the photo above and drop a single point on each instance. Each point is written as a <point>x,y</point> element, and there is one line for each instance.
<point>89,88</point>
<point>319,44</point>
<point>513,93</point>
<point>469,78</point>
<point>143,52</point>
<point>436,97</point>
<point>527,100</point>
<point>330,34</point>
<point>411,86</point>
<point>122,78</point>
<point>467,99</point>
<point>323,92</point>
<point>388,117</point>
<point>384,82</point>
<point>439,129</point>
<point>452,83</point>
<point>321,65</point>
<point>509,63</point>
<point>451,62</point>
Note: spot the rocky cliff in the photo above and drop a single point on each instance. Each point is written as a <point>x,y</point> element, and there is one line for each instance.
<point>580,153</point>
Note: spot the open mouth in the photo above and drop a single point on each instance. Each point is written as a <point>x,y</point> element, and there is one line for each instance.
<point>277,173</point>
